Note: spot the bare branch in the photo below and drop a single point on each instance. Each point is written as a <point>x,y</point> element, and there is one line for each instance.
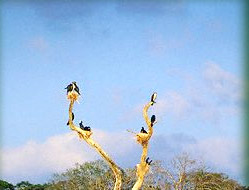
<point>86,136</point>
<point>143,139</point>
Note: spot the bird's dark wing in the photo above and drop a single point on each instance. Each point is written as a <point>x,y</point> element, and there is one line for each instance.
<point>142,130</point>
<point>81,125</point>
<point>153,118</point>
<point>77,89</point>
<point>147,160</point>
<point>72,116</point>
<point>69,88</point>
<point>151,99</point>
<point>87,128</point>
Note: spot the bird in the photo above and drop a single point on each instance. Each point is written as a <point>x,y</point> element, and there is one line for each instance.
<point>73,87</point>
<point>72,118</point>
<point>76,88</point>
<point>152,119</point>
<point>81,125</point>
<point>87,128</point>
<point>147,161</point>
<point>69,88</point>
<point>143,130</point>
<point>153,98</point>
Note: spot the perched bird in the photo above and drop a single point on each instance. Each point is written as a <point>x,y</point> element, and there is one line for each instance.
<point>153,98</point>
<point>152,119</point>
<point>143,130</point>
<point>73,87</point>
<point>147,161</point>
<point>87,128</point>
<point>81,125</point>
<point>76,88</point>
<point>72,118</point>
<point>69,88</point>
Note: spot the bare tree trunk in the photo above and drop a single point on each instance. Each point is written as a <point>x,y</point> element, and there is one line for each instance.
<point>143,139</point>
<point>86,136</point>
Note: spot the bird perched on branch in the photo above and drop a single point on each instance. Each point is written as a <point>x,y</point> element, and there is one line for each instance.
<point>81,125</point>
<point>73,92</point>
<point>147,161</point>
<point>86,128</point>
<point>72,118</point>
<point>73,88</point>
<point>143,130</point>
<point>152,119</point>
<point>153,98</point>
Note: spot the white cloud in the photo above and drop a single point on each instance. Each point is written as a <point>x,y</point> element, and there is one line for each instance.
<point>223,83</point>
<point>58,153</point>
<point>215,95</point>
<point>221,96</point>
<point>33,160</point>
<point>220,152</point>
<point>173,103</point>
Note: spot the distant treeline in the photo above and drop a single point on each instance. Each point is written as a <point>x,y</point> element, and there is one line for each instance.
<point>183,174</point>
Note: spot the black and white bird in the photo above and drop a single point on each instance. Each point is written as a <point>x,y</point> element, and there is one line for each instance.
<point>76,88</point>
<point>147,161</point>
<point>73,87</point>
<point>72,118</point>
<point>143,130</point>
<point>152,119</point>
<point>87,128</point>
<point>153,98</point>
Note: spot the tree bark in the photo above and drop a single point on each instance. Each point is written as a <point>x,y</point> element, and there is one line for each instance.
<point>86,136</point>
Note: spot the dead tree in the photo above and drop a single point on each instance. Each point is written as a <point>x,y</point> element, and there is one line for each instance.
<point>73,95</point>
<point>143,138</point>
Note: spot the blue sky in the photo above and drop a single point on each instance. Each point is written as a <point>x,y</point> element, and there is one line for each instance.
<point>120,53</point>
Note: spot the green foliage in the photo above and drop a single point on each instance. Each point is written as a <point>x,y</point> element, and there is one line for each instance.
<point>91,175</point>
<point>207,180</point>
<point>183,174</point>
<point>4,185</point>
<point>25,185</point>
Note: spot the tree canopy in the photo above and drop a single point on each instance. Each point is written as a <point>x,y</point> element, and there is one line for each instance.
<point>183,173</point>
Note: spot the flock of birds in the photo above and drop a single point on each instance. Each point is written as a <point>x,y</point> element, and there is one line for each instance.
<point>74,88</point>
